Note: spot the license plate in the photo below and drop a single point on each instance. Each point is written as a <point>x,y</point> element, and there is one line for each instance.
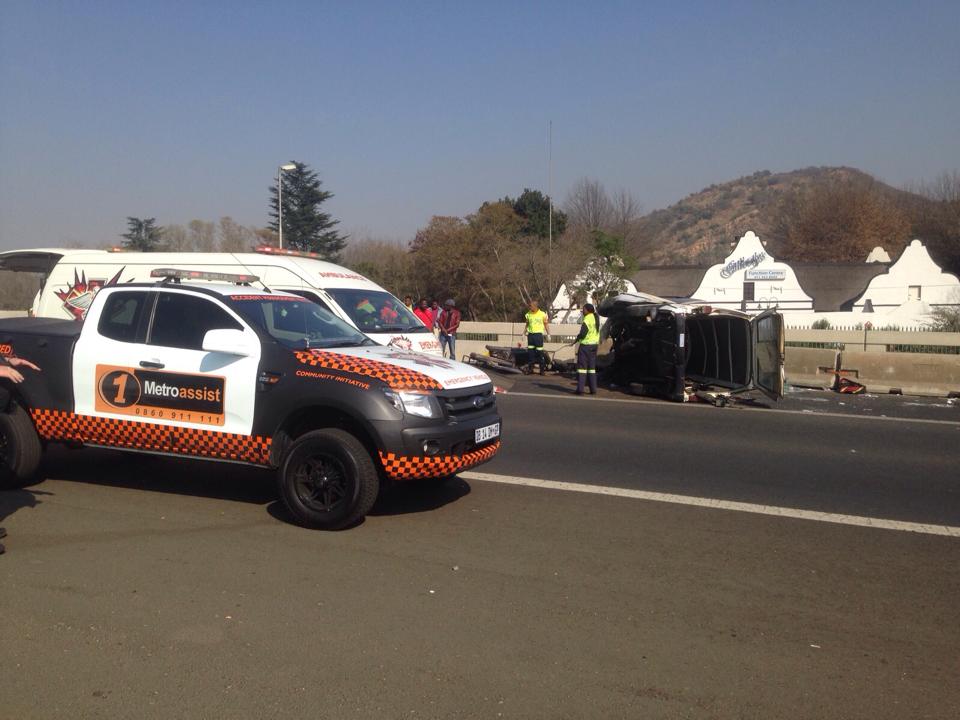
<point>486,433</point>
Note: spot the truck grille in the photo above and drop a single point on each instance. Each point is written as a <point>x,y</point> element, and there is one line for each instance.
<point>464,404</point>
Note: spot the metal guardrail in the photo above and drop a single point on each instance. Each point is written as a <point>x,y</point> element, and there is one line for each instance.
<point>909,341</point>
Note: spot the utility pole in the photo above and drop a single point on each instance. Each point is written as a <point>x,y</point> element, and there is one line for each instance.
<point>549,217</point>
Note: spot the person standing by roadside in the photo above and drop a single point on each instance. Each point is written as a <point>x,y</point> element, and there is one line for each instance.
<point>538,326</point>
<point>408,302</point>
<point>449,322</point>
<point>8,372</point>
<point>425,314</point>
<point>589,339</point>
<point>435,309</point>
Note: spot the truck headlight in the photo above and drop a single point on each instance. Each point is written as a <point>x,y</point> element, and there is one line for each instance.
<point>421,404</point>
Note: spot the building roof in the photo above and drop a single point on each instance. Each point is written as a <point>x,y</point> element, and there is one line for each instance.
<point>835,286</point>
<point>669,281</point>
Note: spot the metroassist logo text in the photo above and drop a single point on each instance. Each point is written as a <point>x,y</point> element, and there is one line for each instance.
<point>160,395</point>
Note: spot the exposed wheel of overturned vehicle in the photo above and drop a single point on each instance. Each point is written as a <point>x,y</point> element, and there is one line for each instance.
<point>328,480</point>
<point>20,447</point>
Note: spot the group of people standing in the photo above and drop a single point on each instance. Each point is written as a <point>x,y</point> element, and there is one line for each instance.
<point>444,321</point>
<point>538,327</point>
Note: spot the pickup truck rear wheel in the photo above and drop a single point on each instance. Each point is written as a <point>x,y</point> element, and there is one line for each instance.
<point>328,480</point>
<point>20,448</point>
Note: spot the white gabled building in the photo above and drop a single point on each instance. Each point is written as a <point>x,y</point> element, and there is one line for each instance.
<point>913,277</point>
<point>751,279</point>
<point>902,294</point>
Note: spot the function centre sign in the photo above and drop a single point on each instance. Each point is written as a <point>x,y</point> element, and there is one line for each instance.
<point>750,279</point>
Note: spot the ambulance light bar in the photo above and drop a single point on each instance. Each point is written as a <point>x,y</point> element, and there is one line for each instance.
<point>268,250</point>
<point>175,275</point>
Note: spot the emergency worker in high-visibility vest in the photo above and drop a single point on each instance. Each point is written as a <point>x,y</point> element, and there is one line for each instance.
<point>537,327</point>
<point>589,339</point>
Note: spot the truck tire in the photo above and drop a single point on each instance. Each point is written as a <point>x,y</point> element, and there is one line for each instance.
<point>20,448</point>
<point>328,480</point>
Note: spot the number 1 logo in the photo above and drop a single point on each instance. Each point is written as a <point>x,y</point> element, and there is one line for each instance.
<point>119,388</point>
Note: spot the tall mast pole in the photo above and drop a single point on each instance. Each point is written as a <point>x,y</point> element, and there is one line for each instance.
<point>550,217</point>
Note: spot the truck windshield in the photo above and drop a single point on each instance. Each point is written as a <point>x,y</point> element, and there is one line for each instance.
<point>298,323</point>
<point>376,311</point>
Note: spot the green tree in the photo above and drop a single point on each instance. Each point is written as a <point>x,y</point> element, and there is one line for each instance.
<point>533,207</point>
<point>488,265</point>
<point>142,235</point>
<point>305,226</point>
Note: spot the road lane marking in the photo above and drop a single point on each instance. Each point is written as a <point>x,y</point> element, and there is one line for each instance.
<point>707,406</point>
<point>713,503</point>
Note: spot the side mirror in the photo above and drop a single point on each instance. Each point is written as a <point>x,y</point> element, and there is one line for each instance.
<point>230,342</point>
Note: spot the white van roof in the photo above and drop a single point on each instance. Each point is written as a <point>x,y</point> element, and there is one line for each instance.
<point>320,272</point>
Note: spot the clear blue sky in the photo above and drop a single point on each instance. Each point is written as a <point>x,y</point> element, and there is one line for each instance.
<point>183,110</point>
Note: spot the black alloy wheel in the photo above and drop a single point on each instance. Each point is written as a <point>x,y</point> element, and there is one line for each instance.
<point>20,448</point>
<point>321,483</point>
<point>328,480</point>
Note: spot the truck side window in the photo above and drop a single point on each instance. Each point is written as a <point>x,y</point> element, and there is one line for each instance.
<point>121,316</point>
<point>181,321</point>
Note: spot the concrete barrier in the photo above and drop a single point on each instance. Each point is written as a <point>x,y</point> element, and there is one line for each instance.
<point>875,366</point>
<point>811,367</point>
<point>911,373</point>
<point>12,313</point>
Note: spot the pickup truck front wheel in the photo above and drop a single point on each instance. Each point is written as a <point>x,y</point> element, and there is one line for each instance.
<point>328,480</point>
<point>20,448</point>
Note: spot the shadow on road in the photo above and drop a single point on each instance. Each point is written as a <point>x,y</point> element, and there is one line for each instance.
<point>13,500</point>
<point>159,474</point>
<point>419,496</point>
<point>222,481</point>
<point>401,499</point>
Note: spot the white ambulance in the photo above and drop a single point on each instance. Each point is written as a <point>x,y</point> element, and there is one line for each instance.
<point>73,277</point>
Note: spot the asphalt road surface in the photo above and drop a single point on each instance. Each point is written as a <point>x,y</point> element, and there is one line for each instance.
<point>157,588</point>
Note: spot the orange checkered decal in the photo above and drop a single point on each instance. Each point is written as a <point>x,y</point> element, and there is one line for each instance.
<point>396,377</point>
<point>402,467</point>
<point>195,442</point>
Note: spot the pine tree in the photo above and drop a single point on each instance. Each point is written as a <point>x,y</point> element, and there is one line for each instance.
<point>534,207</point>
<point>142,235</point>
<point>305,227</point>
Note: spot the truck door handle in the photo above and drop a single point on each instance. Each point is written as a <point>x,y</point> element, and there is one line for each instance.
<point>151,364</point>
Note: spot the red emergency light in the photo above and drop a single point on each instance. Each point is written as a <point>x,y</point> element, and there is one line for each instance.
<point>174,274</point>
<point>268,250</point>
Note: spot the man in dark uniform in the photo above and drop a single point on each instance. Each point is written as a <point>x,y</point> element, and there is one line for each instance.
<point>589,339</point>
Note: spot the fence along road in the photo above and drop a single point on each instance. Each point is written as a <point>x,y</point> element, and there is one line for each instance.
<point>914,362</point>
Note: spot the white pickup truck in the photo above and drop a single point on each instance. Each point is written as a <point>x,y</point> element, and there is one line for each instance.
<point>222,371</point>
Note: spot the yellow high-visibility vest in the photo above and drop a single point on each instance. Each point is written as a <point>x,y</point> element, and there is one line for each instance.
<point>593,330</point>
<point>535,321</point>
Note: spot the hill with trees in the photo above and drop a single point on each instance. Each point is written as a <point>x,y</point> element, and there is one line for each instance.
<point>828,214</point>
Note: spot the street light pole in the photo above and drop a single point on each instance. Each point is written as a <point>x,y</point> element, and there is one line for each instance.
<point>280,170</point>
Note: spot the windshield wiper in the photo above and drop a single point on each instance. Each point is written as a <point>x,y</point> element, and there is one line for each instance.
<point>392,328</point>
<point>348,343</point>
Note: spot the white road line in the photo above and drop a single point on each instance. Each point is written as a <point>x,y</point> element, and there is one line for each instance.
<point>857,520</point>
<point>706,406</point>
